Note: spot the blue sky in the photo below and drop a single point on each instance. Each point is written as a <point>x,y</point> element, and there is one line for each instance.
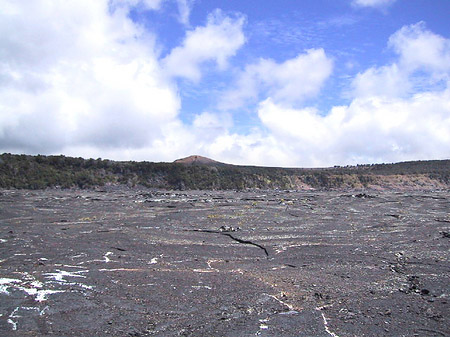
<point>278,83</point>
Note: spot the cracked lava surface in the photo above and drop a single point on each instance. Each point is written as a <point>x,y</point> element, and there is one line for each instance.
<point>128,262</point>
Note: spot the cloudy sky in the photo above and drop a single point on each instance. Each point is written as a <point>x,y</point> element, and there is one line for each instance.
<point>297,83</point>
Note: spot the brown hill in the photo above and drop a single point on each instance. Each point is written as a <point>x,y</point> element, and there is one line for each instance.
<point>197,160</point>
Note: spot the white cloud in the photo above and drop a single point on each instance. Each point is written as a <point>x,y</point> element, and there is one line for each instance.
<point>289,82</point>
<point>184,9</point>
<point>152,4</point>
<point>252,149</point>
<point>388,81</point>
<point>368,130</point>
<point>216,42</point>
<point>213,122</point>
<point>423,63</point>
<point>82,79</point>
<point>147,4</point>
<point>373,3</point>
<point>399,112</point>
<point>421,49</point>
<point>75,74</point>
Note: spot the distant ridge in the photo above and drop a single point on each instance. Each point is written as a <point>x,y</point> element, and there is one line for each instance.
<point>200,173</point>
<point>197,160</point>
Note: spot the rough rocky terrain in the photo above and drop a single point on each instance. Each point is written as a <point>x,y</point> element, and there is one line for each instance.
<point>128,262</point>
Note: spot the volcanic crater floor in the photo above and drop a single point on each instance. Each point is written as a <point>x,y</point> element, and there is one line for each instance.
<point>130,262</point>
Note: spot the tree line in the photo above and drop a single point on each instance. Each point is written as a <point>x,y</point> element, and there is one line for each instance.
<point>40,172</point>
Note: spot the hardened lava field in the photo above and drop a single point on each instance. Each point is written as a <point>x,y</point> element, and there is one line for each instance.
<point>129,262</point>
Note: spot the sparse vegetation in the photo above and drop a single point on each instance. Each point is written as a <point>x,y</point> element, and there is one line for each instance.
<point>39,172</point>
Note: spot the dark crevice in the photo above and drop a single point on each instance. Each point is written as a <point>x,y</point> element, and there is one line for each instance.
<point>247,242</point>
<point>290,265</point>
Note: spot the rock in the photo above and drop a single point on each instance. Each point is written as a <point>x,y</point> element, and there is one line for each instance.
<point>226,228</point>
<point>445,234</point>
<point>362,196</point>
<point>425,292</point>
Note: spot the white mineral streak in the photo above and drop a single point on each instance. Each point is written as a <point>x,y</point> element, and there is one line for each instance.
<point>60,277</point>
<point>77,256</point>
<point>212,261</point>
<point>61,274</point>
<point>325,323</point>
<point>6,283</point>
<point>70,266</point>
<point>263,325</point>
<point>200,287</point>
<point>43,310</point>
<point>12,318</point>
<point>13,315</point>
<point>41,295</point>
<point>33,288</point>
<point>81,285</point>
<point>106,258</point>
<point>282,302</point>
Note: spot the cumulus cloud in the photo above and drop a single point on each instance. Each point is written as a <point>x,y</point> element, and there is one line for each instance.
<point>398,112</point>
<point>388,81</point>
<point>373,3</point>
<point>216,42</point>
<point>421,49</point>
<point>390,118</point>
<point>423,63</point>
<point>81,78</point>
<point>254,148</point>
<point>74,73</point>
<point>289,82</point>
<point>368,130</point>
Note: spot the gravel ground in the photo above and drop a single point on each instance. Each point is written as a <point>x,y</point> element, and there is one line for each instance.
<point>128,262</point>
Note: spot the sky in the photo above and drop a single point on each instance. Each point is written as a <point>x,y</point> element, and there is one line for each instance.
<point>291,83</point>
